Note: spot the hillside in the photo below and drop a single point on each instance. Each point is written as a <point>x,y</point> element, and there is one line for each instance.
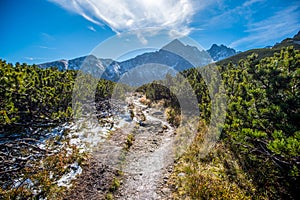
<point>261,131</point>
<point>264,52</point>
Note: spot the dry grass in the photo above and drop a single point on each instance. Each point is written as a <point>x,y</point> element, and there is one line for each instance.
<point>218,175</point>
<point>39,173</point>
<point>173,117</point>
<point>145,101</point>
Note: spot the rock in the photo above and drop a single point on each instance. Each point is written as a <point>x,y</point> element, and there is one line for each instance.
<point>157,113</point>
<point>166,179</point>
<point>181,174</point>
<point>165,191</point>
<point>144,108</point>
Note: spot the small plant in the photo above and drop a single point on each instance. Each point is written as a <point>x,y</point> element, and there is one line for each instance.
<point>173,117</point>
<point>129,141</point>
<point>109,196</point>
<point>114,185</point>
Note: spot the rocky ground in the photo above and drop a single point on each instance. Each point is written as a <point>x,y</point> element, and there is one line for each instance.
<point>135,160</point>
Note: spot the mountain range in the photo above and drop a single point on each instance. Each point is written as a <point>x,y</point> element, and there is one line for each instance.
<point>172,58</point>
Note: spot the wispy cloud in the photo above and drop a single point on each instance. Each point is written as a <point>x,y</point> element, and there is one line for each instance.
<point>32,58</point>
<point>92,28</point>
<point>47,37</point>
<point>130,15</point>
<point>46,47</point>
<point>251,2</point>
<point>226,17</point>
<point>282,23</point>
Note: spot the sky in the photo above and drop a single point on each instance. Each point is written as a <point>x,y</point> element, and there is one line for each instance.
<point>38,31</point>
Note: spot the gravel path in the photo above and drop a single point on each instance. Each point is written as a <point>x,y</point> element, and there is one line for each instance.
<point>145,166</point>
<point>148,162</point>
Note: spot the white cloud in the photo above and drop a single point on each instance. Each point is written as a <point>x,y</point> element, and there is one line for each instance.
<point>29,58</point>
<point>251,2</point>
<point>130,15</point>
<point>284,22</point>
<point>92,28</point>
<point>46,47</point>
<point>32,58</point>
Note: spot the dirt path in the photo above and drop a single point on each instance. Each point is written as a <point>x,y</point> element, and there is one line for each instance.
<point>148,161</point>
<point>145,165</point>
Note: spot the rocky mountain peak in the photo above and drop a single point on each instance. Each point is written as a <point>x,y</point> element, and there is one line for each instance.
<point>175,44</point>
<point>220,52</point>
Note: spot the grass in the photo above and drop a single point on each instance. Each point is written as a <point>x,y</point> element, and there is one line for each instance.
<point>218,175</point>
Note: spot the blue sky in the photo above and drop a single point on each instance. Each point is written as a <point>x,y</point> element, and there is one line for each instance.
<point>37,31</point>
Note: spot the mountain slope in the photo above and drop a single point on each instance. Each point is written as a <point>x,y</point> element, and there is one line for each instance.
<point>265,52</point>
<point>295,41</point>
<point>76,63</point>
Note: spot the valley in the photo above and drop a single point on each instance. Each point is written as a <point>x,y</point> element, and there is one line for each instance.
<point>102,147</point>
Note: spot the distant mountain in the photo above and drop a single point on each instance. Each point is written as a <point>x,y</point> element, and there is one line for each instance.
<point>60,64</point>
<point>172,58</point>
<point>264,52</point>
<point>73,64</point>
<point>221,52</point>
